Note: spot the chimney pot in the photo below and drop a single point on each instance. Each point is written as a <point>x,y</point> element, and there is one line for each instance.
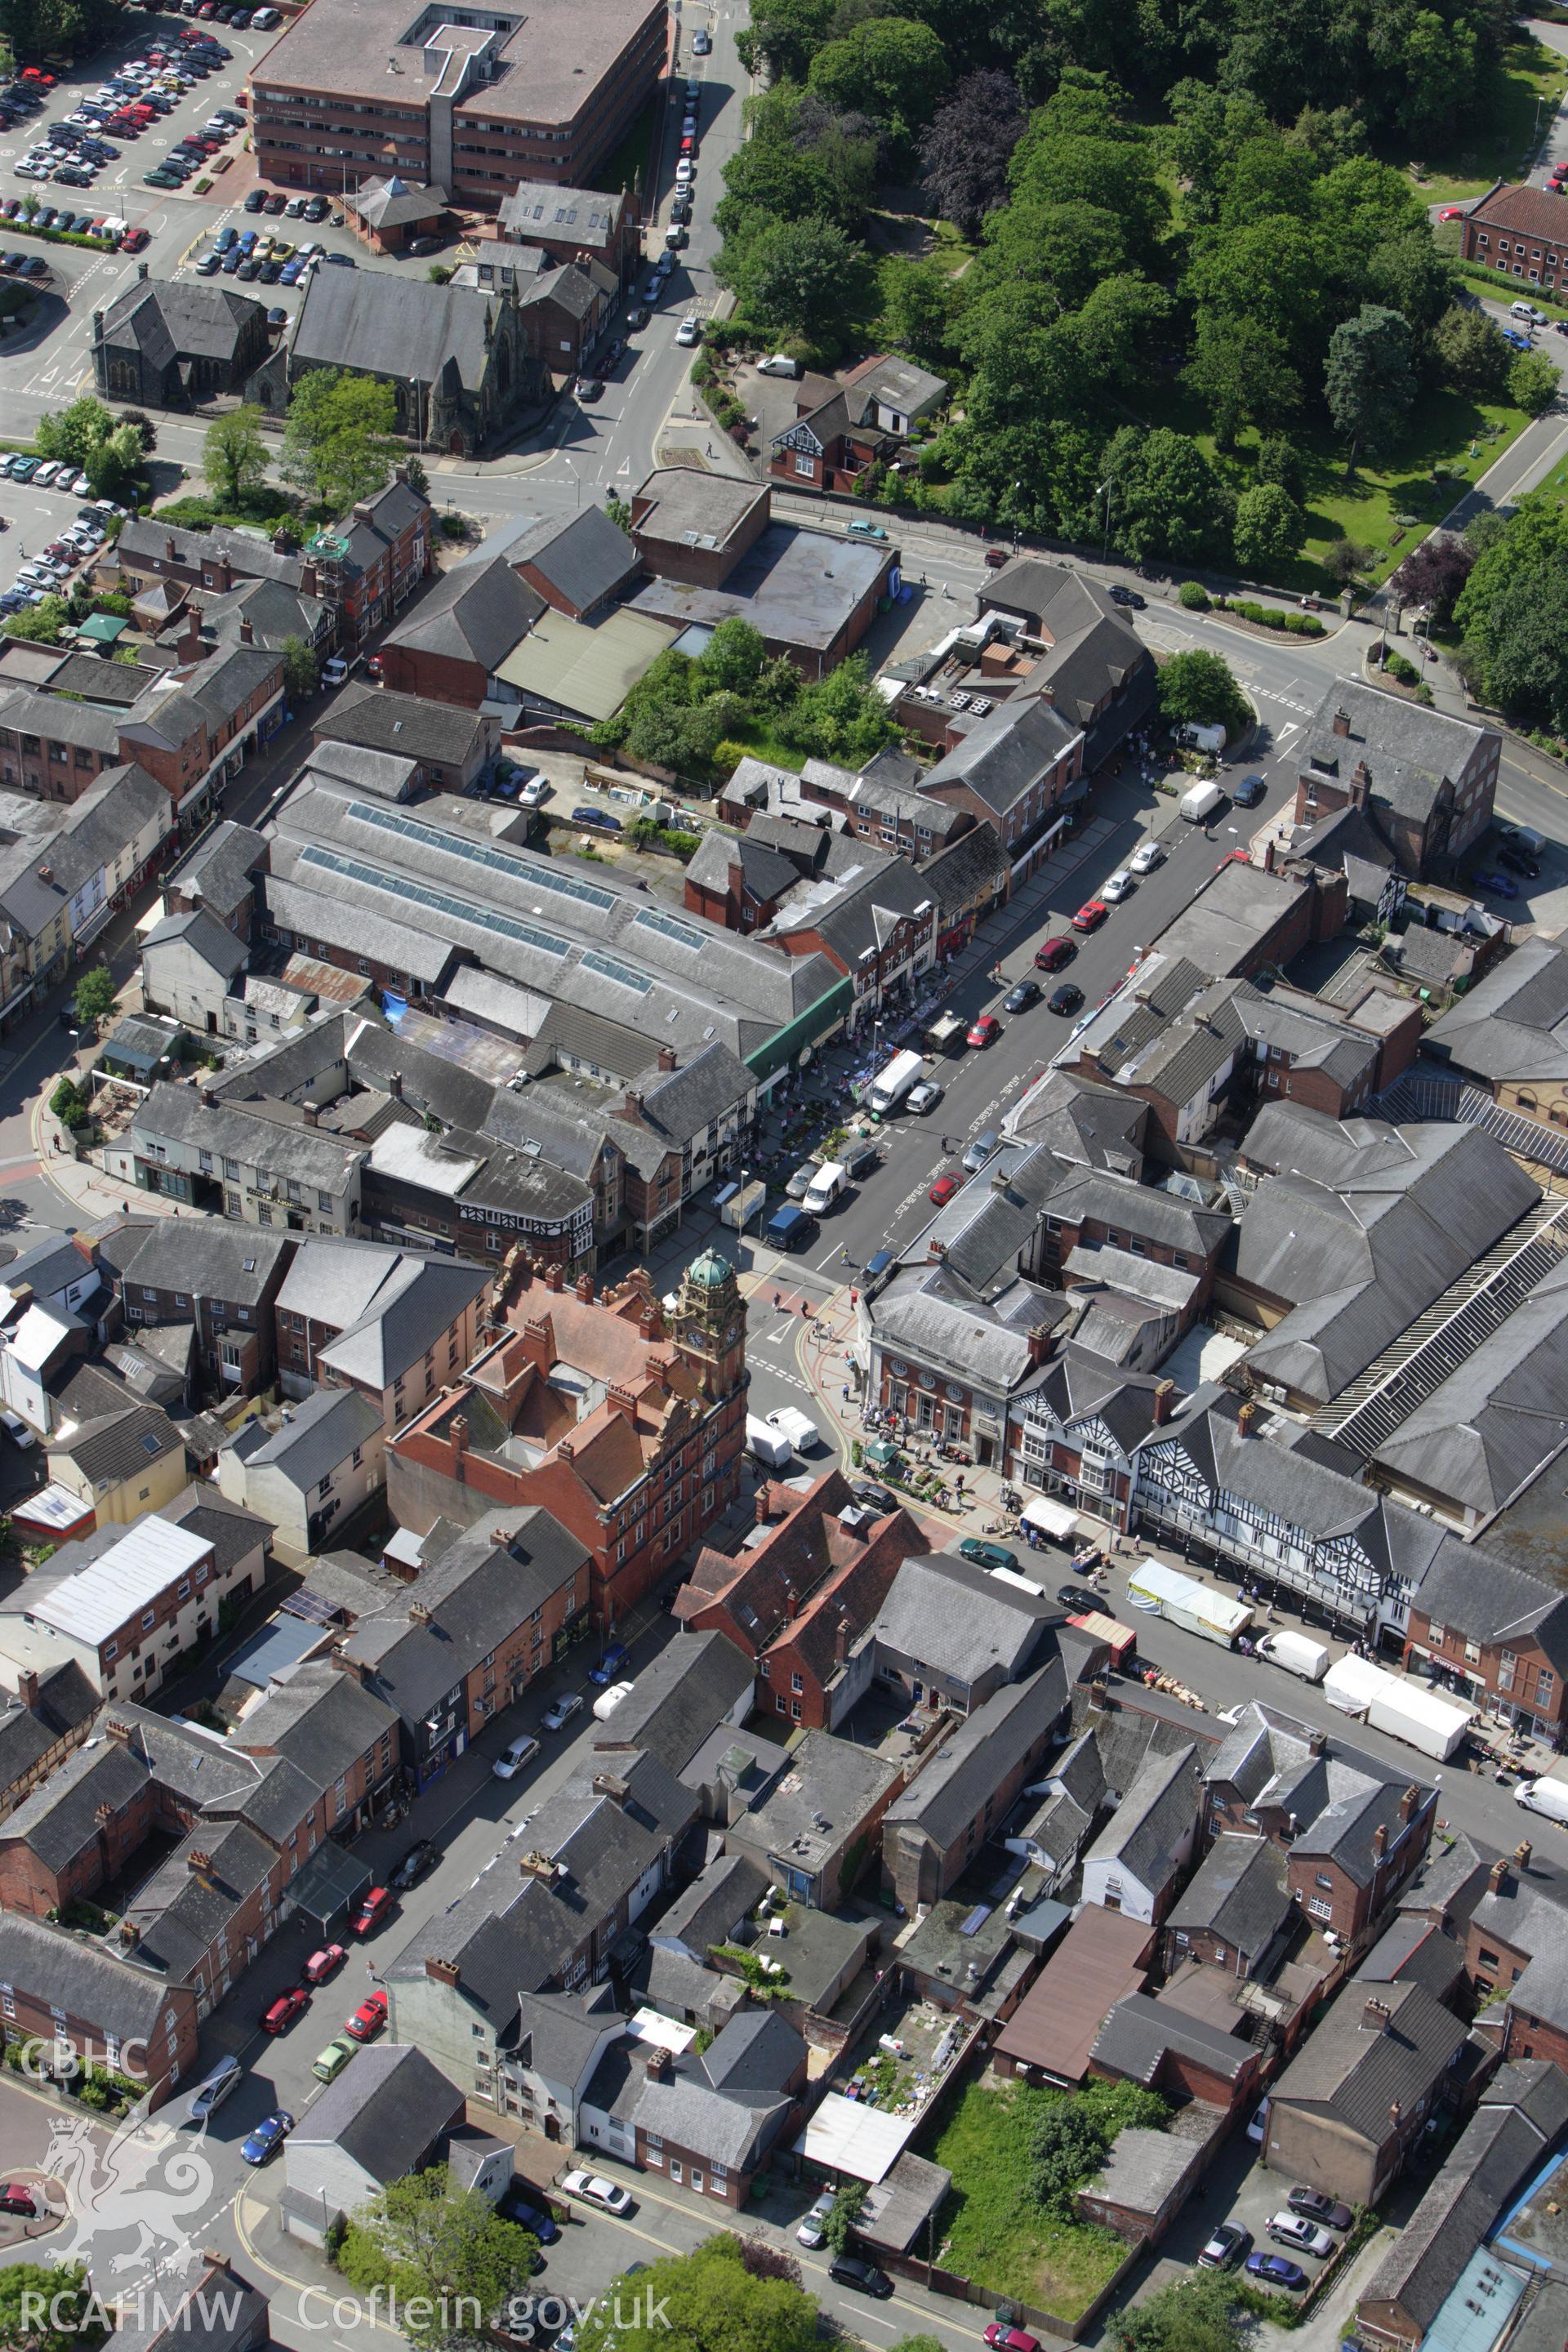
<point>197,1862</point>
<point>246,630</point>
<point>585,1287</point>
<point>1342,722</point>
<point>666,1057</point>
<point>1379,1843</point>
<point>1410,1802</point>
<point>1164,1398</point>
<point>1245,1419</point>
<point>1375,2016</point>
<point>1496,1876</point>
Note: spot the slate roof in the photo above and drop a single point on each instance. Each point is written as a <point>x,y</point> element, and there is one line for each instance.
<point>584,556</point>
<point>317,1437</point>
<point>558,2033</point>
<point>204,1258</point>
<point>82,1978</point>
<point>219,871</point>
<point>538,208</point>
<point>176,1114</point>
<point>212,942</point>
<point>950,1793</point>
<point>116,1446</point>
<point>1239,1894</point>
<point>382,722</point>
<point>358,319</point>
<point>1512,1024</point>
<point>706,1912</point>
<point>395,203</point>
<point>385,2114</point>
<point>1153,1817</point>
<point>1354,2074</point>
<point>1360,1261</point>
<point>475,613</point>
<point>1140,2029</point>
<point>1410,751</point>
<point>1489,1601</point>
<point>175,319</point>
<point>945,1612</point>
<point>1005,756</point>
<point>730,2103</point>
<point>181,1912</point>
<point>678,1699</point>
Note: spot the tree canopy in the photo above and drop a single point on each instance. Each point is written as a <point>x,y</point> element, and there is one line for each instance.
<point>708,2301</point>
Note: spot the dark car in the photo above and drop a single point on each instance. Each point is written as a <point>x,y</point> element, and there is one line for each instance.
<point>1119,595</point>
<point>1502,886</point>
<point>637,320</point>
<point>1055,955</point>
<point>1314,2205</point>
<point>850,2271</point>
<point>416,1864</point>
<point>268,2137</point>
<point>875,1498</point>
<point>1075,1597</point>
<point>256,201</point>
<point>517,2206</point>
<point>1066,998</point>
<point>1249,792</point>
<point>1226,2248</point>
<point>590,387</point>
<point>1517,861</point>
<point>599,817</point>
<point>986,1555</point>
<point>1274,2271</point>
<point>277,316</point>
<point>1019,998</point>
<point>609,1666</point>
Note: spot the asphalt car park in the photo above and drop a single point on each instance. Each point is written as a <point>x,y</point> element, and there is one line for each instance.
<point>36,520</point>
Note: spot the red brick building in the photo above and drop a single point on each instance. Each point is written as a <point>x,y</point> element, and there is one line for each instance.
<point>696,527</point>
<point>635,1477</point>
<point>794,1602</point>
<point>60,1989</point>
<point>1423,782</point>
<point>460,632</point>
<point>1495,1636</point>
<point>1520,232</point>
<point>372,561</point>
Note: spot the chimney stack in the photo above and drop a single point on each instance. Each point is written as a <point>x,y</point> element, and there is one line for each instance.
<point>1409,1803</point>
<point>394,1086</point>
<point>418,1613</point>
<point>1376,2017</point>
<point>1361,784</point>
<point>841,1639</point>
<point>199,1863</point>
<point>1268,855</point>
<point>1342,721</point>
<point>1379,1843</point>
<point>1522,1856</point>
<point>792,1604</point>
<point>1098,1699</point>
<point>585,1288</point>
<point>28,1687</point>
<point>760,1508</point>
<point>610,1784</point>
<point>1496,1876</point>
<point>657,2065</point>
<point>171,549</point>
<point>246,630</point>
<point>1317,1743</point>
<point>309,1115</point>
<point>666,1057</point>
<point>445,1973</point>
<point>1164,1398</point>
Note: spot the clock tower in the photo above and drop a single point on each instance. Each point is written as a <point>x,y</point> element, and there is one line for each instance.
<point>710,1326</point>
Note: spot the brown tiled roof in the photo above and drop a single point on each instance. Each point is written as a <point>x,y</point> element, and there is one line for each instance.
<point>1524,211</point>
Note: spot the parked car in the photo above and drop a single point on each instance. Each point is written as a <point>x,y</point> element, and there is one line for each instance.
<point>416,1864</point>
<point>1002,2338</point>
<point>589,388</point>
<point>1129,596</point>
<point>690,331</point>
<point>1091,915</point>
<point>329,2064</point>
<point>1076,1598</point>
<point>1145,857</point>
<point>368,2018</point>
<point>875,1498</point>
<point>802,1179</point>
<point>852,2270</point>
<point>1117,887</point>
<point>1517,861</point>
<point>1249,792</point>
<point>979,1151</point>
<point>560,1710</point>
<point>210,2094</point>
<point>986,1555</point>
<point>594,2191</point>
<point>1228,2246</point>
<point>324,1963</point>
<point>811,2232</point>
<point>609,1667</point>
<point>373,1910</point>
<point>1274,2271</point>
<point>516,2205</point>
<point>511,1760</point>
<point>985,1030</point>
<point>285,2010</point>
<point>942,1190</point>
<point>267,2136</point>
<point>1502,886</point>
<point>1021,995</point>
<point>1295,2229</point>
<point>1314,2205</point>
<point>1053,954</point>
<point>923,1098</point>
<point>1066,998</point>
<point>600,818</point>
<point>17,1431</point>
<point>16,2198</point>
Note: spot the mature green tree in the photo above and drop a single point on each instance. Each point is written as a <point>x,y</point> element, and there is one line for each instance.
<point>45,2309</point>
<point>439,2245</point>
<point>732,661</point>
<point>94,996</point>
<point>1199,2313</point>
<point>301,670</point>
<point>890,67</point>
<point>1200,689</point>
<point>1112,333</point>
<point>1164,497</point>
<point>338,442</point>
<point>1270,529</point>
<point>113,464</point>
<point>1207,127</point>
<point>1080,148</point>
<point>620,514</point>
<point>707,2300</point>
<point>1468,352</point>
<point>785,34</point>
<point>1279,460</point>
<point>841,717</point>
<point>71,435</point>
<point>795,276</point>
<point>1511,611</point>
<point>1269,176</point>
<point>234,456</point>
<point>41,625</point>
<point>921,307</point>
<point>1432,66</point>
<point>1272,274</point>
<point>147,431</point>
<point>1527,665</point>
<point>1054,255</point>
<point>839,2221</point>
<point>1370,383</point>
<point>1067,2145</point>
<point>768,179</point>
<point>1534,383</point>
<point>1406,273</point>
<point>1242,373</point>
<point>1345,560</point>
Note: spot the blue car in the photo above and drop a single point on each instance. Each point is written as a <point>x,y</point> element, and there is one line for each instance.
<point>292,273</point>
<point>1502,884</point>
<point>268,2137</point>
<point>517,2206</point>
<point>1274,2271</point>
<point>610,1665</point>
<point>600,817</point>
<point>1249,792</point>
<point>1520,342</point>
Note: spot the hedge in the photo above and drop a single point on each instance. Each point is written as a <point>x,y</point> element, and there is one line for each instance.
<point>1269,616</point>
<point>20,227</point>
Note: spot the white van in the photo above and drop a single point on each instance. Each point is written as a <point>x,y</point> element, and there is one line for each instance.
<point>1198,804</point>
<point>825,1189</point>
<point>778,365</point>
<point>888,1091</point>
<point>1548,1797</point>
<point>791,1422</point>
<point>767,1445</point>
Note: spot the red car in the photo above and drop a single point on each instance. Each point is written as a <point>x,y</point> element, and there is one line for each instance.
<point>321,1965</point>
<point>1452,212</point>
<point>18,2197</point>
<point>1010,2339</point>
<point>367,2020</point>
<point>1091,916</point>
<point>942,1190</point>
<point>986,1030</point>
<point>1055,953</point>
<point>133,240</point>
<point>372,666</point>
<point>285,2010</point>
<point>371,1911</point>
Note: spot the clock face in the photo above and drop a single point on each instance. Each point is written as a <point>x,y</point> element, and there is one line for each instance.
<point>731,1334</point>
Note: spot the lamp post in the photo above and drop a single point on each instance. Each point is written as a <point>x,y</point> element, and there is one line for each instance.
<point>1016,533</point>
<point>1103,491</point>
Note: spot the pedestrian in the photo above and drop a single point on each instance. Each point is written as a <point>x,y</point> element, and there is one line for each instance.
<point>844,1392</point>
<point>778,1301</point>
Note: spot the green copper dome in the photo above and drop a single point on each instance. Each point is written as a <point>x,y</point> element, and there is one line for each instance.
<point>710,1271</point>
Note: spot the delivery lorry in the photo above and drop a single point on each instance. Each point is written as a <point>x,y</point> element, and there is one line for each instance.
<point>1163,1591</point>
<point>1298,1653</point>
<point>1408,1710</point>
<point>1198,804</point>
<point>826,1187</point>
<point>888,1091</point>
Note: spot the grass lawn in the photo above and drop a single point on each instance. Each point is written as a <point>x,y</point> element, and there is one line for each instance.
<point>994,2232</point>
<point>949,249</point>
<point>764,745</point>
<point>1449,430</point>
<point>1555,484</point>
<point>1530,72</point>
